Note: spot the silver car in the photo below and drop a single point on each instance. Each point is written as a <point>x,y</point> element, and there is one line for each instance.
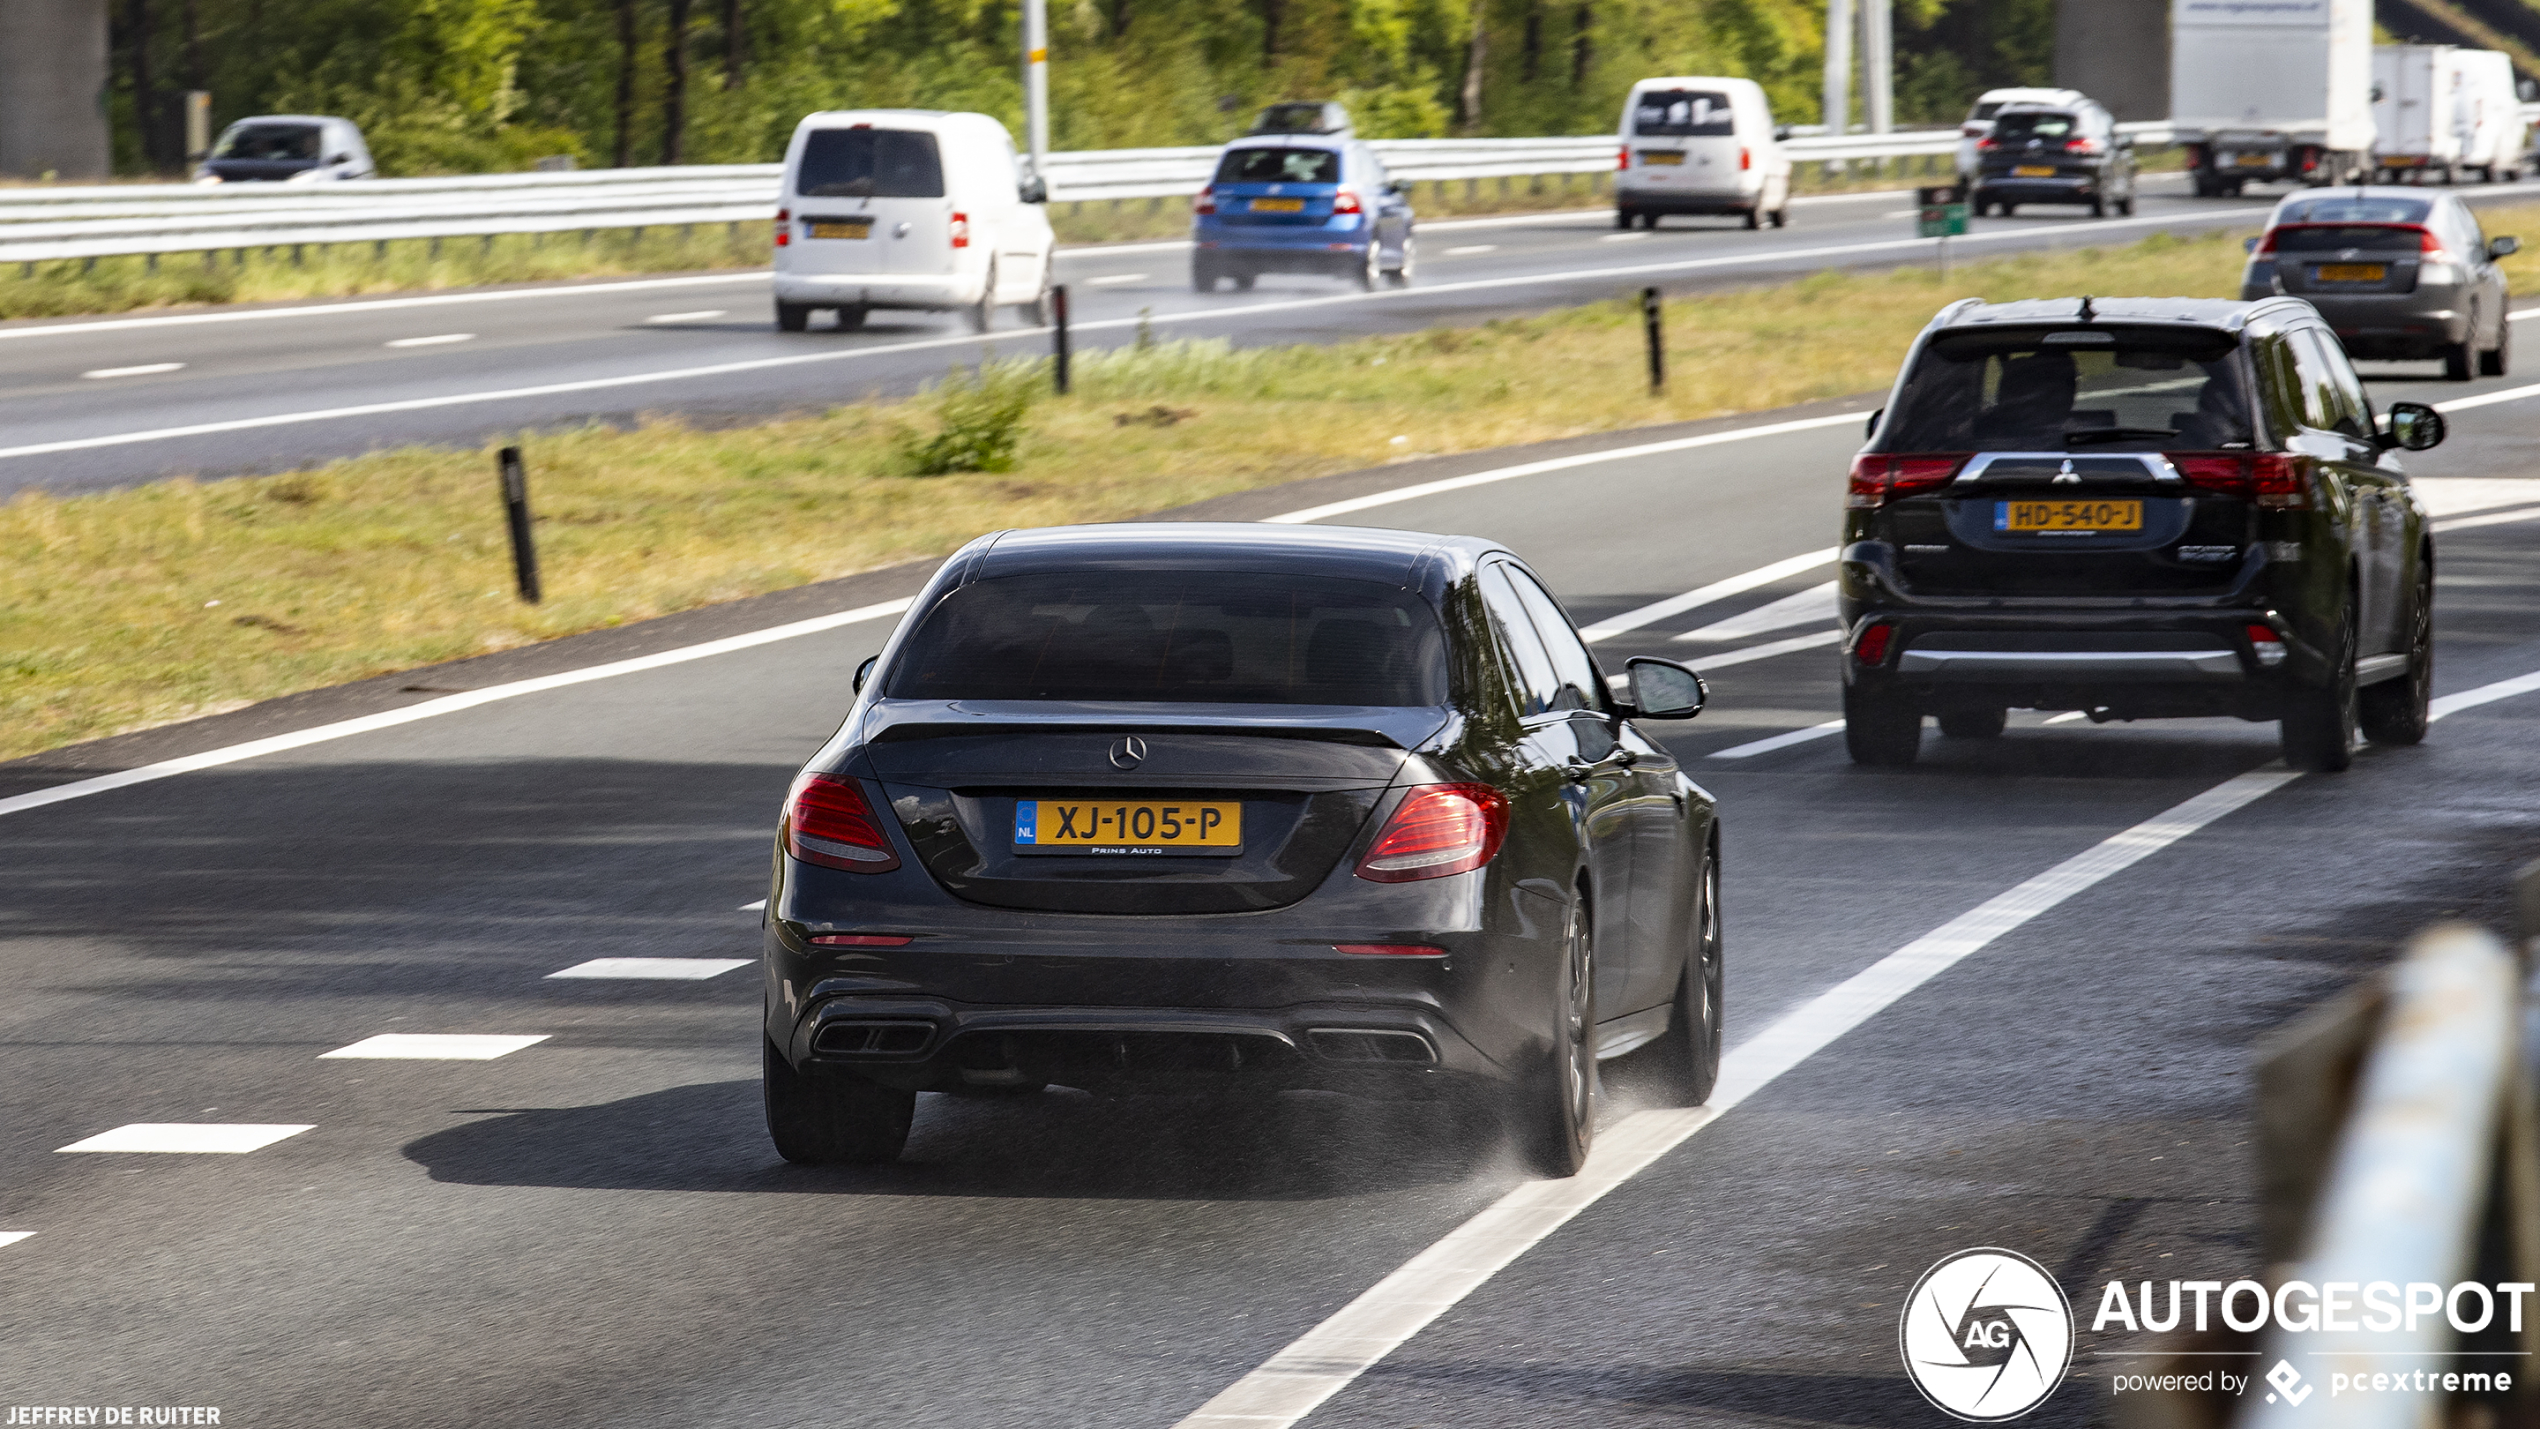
<point>2400,273</point>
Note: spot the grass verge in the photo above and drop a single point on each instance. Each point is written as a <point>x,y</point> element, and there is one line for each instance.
<point>138,607</point>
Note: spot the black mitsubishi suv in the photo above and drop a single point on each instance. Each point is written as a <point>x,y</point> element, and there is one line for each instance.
<point>2139,508</point>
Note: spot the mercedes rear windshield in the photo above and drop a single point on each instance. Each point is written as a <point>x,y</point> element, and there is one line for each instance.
<point>2096,388</point>
<point>870,163</point>
<point>1181,637</point>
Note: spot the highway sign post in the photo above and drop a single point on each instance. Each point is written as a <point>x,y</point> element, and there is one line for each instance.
<point>1940,214</point>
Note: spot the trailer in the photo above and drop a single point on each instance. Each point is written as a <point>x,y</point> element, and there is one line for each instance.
<point>2442,111</point>
<point>2271,91</point>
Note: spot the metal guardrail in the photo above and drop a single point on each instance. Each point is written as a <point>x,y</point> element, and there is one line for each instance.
<point>48,224</point>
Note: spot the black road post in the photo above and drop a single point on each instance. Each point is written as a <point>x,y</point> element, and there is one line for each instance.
<point>516,507</point>
<point>1058,337</point>
<point>1649,321</point>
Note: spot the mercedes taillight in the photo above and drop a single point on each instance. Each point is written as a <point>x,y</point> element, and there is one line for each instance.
<point>829,822</point>
<point>1437,830</point>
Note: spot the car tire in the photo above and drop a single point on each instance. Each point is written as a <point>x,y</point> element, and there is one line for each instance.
<point>1624,218</point>
<point>1203,277</point>
<point>1781,215</point>
<point>2098,208</point>
<point>1974,724</point>
<point>2007,209</point>
<point>2458,365</point>
<point>1649,221</point>
<point>1554,1114</point>
<point>2397,711</point>
<point>1755,218</point>
<point>1687,1056</point>
<point>2494,361</point>
<point>2318,726</point>
<point>833,1121</point>
<point>851,317</point>
<point>1042,311</point>
<point>1399,275</point>
<point>1371,273</point>
<point>1880,728</point>
<point>792,317</point>
<point>983,313</point>
<point>2125,207</point>
<point>1243,281</point>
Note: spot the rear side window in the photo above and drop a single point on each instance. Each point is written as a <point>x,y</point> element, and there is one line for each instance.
<point>2035,126</point>
<point>271,142</point>
<point>1579,688</point>
<point>1682,113</point>
<point>1194,636</point>
<point>1538,684</point>
<point>870,163</point>
<point>2100,388</point>
<point>1279,166</point>
<point>2332,399</point>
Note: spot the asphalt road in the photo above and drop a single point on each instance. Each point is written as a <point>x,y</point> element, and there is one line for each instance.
<point>90,403</point>
<point>593,1230</point>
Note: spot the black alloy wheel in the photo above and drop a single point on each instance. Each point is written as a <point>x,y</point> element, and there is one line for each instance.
<point>2494,361</point>
<point>1688,1055</point>
<point>2396,711</point>
<point>851,317</point>
<point>2318,728</point>
<point>1555,1111</point>
<point>983,314</point>
<point>1974,724</point>
<point>833,1121</point>
<point>1880,728</point>
<point>792,317</point>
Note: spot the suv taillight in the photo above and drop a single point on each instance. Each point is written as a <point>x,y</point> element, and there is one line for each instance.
<point>1204,202</point>
<point>1878,478</point>
<point>2268,478</point>
<point>1437,830</point>
<point>828,822</point>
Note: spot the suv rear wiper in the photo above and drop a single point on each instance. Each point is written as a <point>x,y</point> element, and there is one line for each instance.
<point>2115,434</point>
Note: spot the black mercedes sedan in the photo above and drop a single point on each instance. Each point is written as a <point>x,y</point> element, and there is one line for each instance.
<point>1216,808</point>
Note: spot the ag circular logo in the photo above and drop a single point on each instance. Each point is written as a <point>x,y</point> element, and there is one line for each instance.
<point>1986,1334</point>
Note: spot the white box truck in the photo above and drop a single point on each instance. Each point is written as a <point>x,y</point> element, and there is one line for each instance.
<point>2272,90</point>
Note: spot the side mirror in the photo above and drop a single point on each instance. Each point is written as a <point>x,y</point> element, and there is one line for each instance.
<point>864,672</point>
<point>1663,689</point>
<point>2414,426</point>
<point>339,158</point>
<point>2503,247</point>
<point>1034,190</point>
<point>1397,187</point>
<point>1872,429</point>
<point>1781,132</point>
<point>2248,245</point>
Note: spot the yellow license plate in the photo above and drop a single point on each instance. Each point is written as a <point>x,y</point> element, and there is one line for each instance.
<point>2034,171</point>
<point>1278,205</point>
<point>2352,272</point>
<point>2255,161</point>
<point>842,228</point>
<point>1126,826</point>
<point>2068,516</point>
<point>1661,156</point>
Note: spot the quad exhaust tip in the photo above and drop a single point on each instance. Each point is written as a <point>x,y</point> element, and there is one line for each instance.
<point>874,1039</point>
<point>1370,1044</point>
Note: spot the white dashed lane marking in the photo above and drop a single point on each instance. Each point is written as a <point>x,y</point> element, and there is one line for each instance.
<point>1469,249</point>
<point>1779,741</point>
<point>438,339</point>
<point>226,1138</point>
<point>13,1237</point>
<point>1114,280</point>
<point>436,1046</point>
<point>668,969</point>
<point>145,369</point>
<point>700,315</point>
<point>758,907</point>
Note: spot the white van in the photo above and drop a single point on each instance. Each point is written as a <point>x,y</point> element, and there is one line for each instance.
<point>908,208</point>
<point>1700,144</point>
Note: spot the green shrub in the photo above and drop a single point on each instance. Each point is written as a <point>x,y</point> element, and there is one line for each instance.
<point>982,421</point>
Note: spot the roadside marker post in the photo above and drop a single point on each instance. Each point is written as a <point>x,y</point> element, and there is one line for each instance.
<point>1651,319</point>
<point>516,510</point>
<point>1940,214</point>
<point>1058,337</point>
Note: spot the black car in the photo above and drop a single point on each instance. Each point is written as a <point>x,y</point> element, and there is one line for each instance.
<point>1194,807</point>
<point>2136,507</point>
<point>2064,154</point>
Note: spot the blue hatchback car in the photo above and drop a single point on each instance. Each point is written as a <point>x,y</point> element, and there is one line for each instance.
<point>1306,203</point>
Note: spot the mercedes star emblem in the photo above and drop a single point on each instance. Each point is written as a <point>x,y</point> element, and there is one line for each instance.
<point>1128,752</point>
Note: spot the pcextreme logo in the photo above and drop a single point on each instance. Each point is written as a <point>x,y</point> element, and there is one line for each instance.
<point>1986,1334</point>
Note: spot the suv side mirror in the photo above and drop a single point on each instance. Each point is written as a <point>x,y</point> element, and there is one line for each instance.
<point>864,672</point>
<point>2414,426</point>
<point>1781,132</point>
<point>2503,247</point>
<point>2248,245</point>
<point>1663,689</point>
<point>1034,189</point>
<point>1397,187</point>
<point>1871,428</point>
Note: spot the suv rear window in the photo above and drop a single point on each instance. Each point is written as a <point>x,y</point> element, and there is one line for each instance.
<point>870,163</point>
<point>1279,166</point>
<point>1180,637</point>
<point>2035,126</point>
<point>2072,389</point>
<point>1682,113</point>
<point>2356,209</point>
<point>2328,237</point>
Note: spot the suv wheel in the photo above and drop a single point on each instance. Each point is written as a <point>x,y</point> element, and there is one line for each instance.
<point>830,1121</point>
<point>2394,711</point>
<point>1555,1108</point>
<point>1880,728</point>
<point>2318,728</point>
<point>1688,1056</point>
<point>1974,724</point>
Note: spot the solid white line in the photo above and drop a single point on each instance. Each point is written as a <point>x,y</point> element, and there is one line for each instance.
<point>1674,605</point>
<point>1469,249</point>
<point>1621,237</point>
<point>434,1047</point>
<point>1537,468</point>
<point>758,907</point>
<point>2518,314</point>
<point>380,305</point>
<point>13,1237</point>
<point>2484,695</point>
<point>1326,1358</point>
<point>1768,649</point>
<point>2489,518</point>
<point>1807,607</point>
<point>1779,741</point>
<point>700,315</point>
<point>143,370</point>
<point>2067,717</point>
<point>446,704</point>
<point>663,969</point>
<point>2488,399</point>
<point>436,340</point>
<point>187,1137</point>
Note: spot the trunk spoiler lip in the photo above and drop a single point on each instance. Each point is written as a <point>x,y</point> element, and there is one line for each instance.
<point>1389,727</point>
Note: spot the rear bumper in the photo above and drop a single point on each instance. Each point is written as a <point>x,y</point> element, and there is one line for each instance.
<point>924,292</point>
<point>2395,325</point>
<point>1941,665</point>
<point>2134,664</point>
<point>1714,201</point>
<point>1997,189</point>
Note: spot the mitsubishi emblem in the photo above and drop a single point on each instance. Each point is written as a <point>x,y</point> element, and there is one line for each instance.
<point>2067,476</point>
<point>1128,752</point>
